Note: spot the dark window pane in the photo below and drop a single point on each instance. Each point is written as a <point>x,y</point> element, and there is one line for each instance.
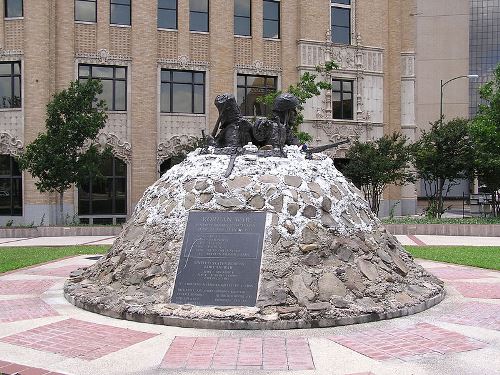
<point>198,21</point>
<point>241,80</point>
<point>347,86</point>
<point>182,98</point>
<point>341,17</point>
<point>5,208</point>
<point>107,94</point>
<point>13,8</point>
<point>120,96</point>
<point>83,71</point>
<point>16,99</point>
<point>85,11</point>
<point>121,73</point>
<point>6,69</point>
<point>341,35</point>
<point>337,109</point>
<point>101,196</point>
<point>83,220</point>
<point>120,196</point>
<point>165,97</point>
<point>347,2</point>
<point>124,2</point>
<point>17,196</point>
<point>199,99</point>
<point>242,26</point>
<point>120,168</point>
<point>199,77</point>
<point>198,5</point>
<point>271,82</point>
<point>167,4</point>
<point>167,19</point>
<point>242,8</point>
<point>249,89</point>
<point>16,171</point>
<point>271,29</point>
<point>183,77</point>
<point>102,221</point>
<point>271,10</point>
<point>17,68</point>
<point>102,72</point>
<point>4,165</point>
<point>165,75</point>
<point>5,92</point>
<point>347,109</point>
<point>241,99</point>
<point>120,14</point>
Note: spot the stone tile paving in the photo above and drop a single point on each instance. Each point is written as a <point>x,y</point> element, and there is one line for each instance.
<point>24,309</point>
<point>484,315</point>
<point>10,368</point>
<point>478,290</point>
<point>250,353</point>
<point>422,339</point>
<point>56,272</point>
<point>459,273</point>
<point>12,287</point>
<point>76,338</point>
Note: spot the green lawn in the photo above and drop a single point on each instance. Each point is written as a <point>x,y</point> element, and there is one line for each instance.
<point>483,257</point>
<point>12,258</point>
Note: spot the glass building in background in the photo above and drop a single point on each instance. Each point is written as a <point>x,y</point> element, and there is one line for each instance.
<point>484,46</point>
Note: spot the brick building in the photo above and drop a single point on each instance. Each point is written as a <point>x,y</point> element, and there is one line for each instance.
<point>162,62</point>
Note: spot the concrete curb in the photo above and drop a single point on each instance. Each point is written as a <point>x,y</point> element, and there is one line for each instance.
<point>60,231</point>
<point>249,325</point>
<point>473,230</point>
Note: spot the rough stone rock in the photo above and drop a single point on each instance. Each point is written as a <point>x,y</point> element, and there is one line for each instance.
<point>269,179</point>
<point>146,263</point>
<point>309,236</point>
<point>313,186</point>
<point>189,185</point>
<point>293,181</point>
<point>287,244</point>
<point>330,285</point>
<point>189,201</point>
<point>271,191</point>
<point>257,202</point>
<point>275,237</point>
<point>310,212</point>
<point>277,203</point>
<point>340,303</point>
<point>220,188</point>
<point>403,298</point>
<point>289,226</point>
<point>384,255</point>
<point>300,290</point>
<point>368,269</point>
<point>271,294</point>
<point>312,259</point>
<point>344,253</point>
<point>239,182</point>
<point>334,190</point>
<point>327,220</point>
<point>305,197</point>
<point>287,309</point>
<point>201,185</point>
<point>354,280</point>
<point>400,266</point>
<point>306,248</point>
<point>318,306</point>
<point>229,202</point>
<point>206,197</point>
<point>293,208</point>
<point>326,204</point>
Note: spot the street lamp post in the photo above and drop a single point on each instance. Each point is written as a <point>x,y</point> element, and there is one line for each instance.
<point>469,76</point>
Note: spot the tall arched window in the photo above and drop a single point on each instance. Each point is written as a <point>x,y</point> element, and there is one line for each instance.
<point>11,187</point>
<point>103,199</point>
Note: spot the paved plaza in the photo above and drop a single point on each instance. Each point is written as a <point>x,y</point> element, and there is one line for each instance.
<point>41,333</point>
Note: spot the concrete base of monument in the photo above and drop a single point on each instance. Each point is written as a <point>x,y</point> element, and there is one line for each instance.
<point>289,237</point>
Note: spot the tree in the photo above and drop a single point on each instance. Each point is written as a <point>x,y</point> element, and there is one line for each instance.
<point>485,134</point>
<point>374,165</point>
<point>443,156</point>
<point>305,89</point>
<point>58,158</point>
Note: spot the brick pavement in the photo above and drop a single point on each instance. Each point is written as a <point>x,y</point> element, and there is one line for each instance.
<point>56,271</point>
<point>249,353</point>
<point>13,287</point>
<point>484,315</point>
<point>422,339</point>
<point>10,368</point>
<point>459,273</point>
<point>76,338</point>
<point>478,290</point>
<point>23,309</point>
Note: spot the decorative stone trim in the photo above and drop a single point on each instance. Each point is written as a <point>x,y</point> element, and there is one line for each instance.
<point>10,145</point>
<point>103,56</point>
<point>120,149</point>
<point>174,146</point>
<point>183,62</point>
<point>257,67</point>
<point>10,55</point>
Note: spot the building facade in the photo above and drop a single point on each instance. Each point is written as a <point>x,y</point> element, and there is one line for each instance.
<point>163,62</point>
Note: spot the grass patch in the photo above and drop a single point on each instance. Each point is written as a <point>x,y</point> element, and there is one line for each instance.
<point>12,258</point>
<point>425,220</point>
<point>476,256</point>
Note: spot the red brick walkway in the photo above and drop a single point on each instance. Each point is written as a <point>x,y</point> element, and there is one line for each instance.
<point>225,353</point>
<point>485,315</point>
<point>24,309</point>
<point>13,287</point>
<point>459,273</point>
<point>478,290</point>
<point>76,338</point>
<point>407,344</point>
<point>56,271</point>
<point>10,368</point>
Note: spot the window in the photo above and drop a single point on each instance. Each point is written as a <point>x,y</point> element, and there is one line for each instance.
<point>13,8</point>
<point>114,83</point>
<point>167,14</point>
<point>10,85</point>
<point>249,89</point>
<point>121,12</point>
<point>342,105</point>
<point>198,15</point>
<point>182,91</point>
<point>11,187</point>
<point>86,10</point>
<point>243,17</point>
<point>341,21</point>
<point>105,195</point>
<point>271,19</point>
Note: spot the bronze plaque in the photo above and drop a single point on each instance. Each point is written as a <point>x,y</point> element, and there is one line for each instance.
<point>220,259</point>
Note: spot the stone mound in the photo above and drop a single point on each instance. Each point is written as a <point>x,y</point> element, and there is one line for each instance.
<point>326,259</point>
